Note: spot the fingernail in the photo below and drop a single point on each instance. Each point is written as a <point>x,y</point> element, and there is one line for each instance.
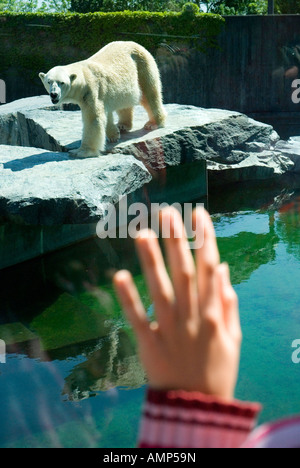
<point>146,234</point>
<point>121,275</point>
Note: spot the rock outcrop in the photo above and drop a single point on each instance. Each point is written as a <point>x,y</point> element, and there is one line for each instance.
<point>291,149</point>
<point>40,187</point>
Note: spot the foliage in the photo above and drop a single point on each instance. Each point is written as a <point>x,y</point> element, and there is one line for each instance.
<point>85,6</point>
<point>250,7</point>
<point>190,9</point>
<point>233,7</point>
<point>33,6</point>
<point>222,7</point>
<point>31,43</point>
<point>259,7</point>
<point>236,7</point>
<point>60,6</point>
<point>288,6</point>
<point>18,5</point>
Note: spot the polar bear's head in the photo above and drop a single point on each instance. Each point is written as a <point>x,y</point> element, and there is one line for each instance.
<point>58,83</point>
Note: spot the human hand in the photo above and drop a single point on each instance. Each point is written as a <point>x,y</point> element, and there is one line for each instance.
<point>194,344</point>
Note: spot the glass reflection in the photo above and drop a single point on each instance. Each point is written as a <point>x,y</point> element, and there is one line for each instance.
<point>72,375</point>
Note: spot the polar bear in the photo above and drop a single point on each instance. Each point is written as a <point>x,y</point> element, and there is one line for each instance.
<point>117,78</point>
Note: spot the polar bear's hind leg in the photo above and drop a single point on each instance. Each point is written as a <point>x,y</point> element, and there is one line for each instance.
<point>125,119</point>
<point>156,113</point>
<point>151,88</point>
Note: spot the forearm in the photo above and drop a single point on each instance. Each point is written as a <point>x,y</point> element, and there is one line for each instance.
<point>178,419</point>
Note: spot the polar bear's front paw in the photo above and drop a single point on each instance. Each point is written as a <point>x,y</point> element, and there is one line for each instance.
<point>84,153</point>
<point>151,125</point>
<point>113,139</point>
<point>113,135</point>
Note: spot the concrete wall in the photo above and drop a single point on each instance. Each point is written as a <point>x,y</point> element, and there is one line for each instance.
<point>252,71</point>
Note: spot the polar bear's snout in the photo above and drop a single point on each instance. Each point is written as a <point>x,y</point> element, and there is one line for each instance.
<point>54,98</point>
<point>55,94</point>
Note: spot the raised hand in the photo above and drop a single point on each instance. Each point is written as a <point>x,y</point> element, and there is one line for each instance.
<point>194,344</point>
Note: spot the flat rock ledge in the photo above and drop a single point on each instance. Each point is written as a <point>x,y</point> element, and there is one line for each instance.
<point>40,184</point>
<point>48,188</point>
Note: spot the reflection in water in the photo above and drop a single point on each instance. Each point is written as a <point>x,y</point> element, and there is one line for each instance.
<point>245,252</point>
<point>113,363</point>
<point>288,70</point>
<point>291,60</point>
<point>68,341</point>
<point>288,226</point>
<point>173,61</point>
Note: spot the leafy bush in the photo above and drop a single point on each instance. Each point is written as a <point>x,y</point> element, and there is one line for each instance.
<point>86,6</point>
<point>288,6</point>
<point>190,9</point>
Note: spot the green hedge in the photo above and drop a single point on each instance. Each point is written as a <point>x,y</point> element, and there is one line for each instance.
<point>88,6</point>
<point>36,42</point>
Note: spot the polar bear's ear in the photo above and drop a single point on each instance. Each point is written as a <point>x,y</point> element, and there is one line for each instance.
<point>73,78</point>
<point>42,76</point>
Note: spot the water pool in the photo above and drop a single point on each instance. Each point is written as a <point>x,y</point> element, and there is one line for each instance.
<point>72,377</point>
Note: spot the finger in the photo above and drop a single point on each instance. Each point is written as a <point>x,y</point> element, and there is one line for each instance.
<point>131,302</point>
<point>229,300</point>
<point>181,262</point>
<point>207,256</point>
<point>158,281</point>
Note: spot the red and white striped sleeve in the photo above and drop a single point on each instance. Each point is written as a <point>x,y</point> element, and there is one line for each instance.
<point>179,419</point>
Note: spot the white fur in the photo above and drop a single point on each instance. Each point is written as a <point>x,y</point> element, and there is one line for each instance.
<point>117,78</point>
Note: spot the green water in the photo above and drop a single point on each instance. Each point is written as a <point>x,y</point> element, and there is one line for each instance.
<point>72,377</point>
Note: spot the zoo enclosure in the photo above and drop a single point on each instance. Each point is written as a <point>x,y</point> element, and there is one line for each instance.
<point>252,69</point>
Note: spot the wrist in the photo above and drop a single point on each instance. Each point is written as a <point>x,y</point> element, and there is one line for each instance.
<point>203,400</point>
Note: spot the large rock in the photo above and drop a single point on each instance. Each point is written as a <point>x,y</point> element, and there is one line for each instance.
<point>291,149</point>
<point>47,188</point>
<point>195,133</point>
<point>216,133</point>
<point>256,166</point>
<point>34,122</point>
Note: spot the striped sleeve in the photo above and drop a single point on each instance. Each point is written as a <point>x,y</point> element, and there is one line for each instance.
<point>178,419</point>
